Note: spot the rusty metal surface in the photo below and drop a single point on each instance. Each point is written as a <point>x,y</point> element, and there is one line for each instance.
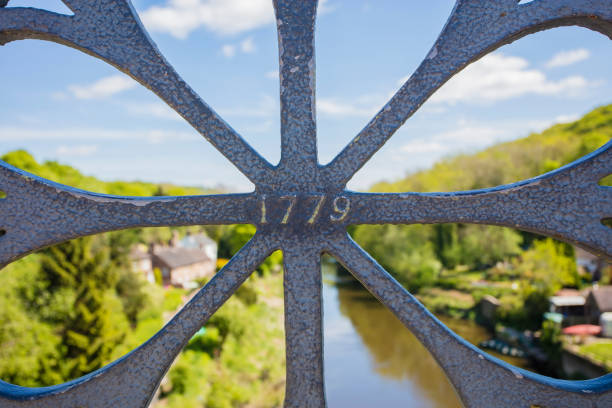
<point>303,208</point>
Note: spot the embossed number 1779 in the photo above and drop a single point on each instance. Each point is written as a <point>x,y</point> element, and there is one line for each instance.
<point>340,206</point>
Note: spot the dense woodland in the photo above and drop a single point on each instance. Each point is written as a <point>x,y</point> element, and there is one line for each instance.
<point>70,309</point>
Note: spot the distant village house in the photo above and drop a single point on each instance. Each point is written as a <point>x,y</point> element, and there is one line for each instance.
<point>182,263</point>
<point>569,303</point>
<point>598,301</point>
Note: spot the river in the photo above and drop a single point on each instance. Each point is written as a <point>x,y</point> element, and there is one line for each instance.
<point>372,360</point>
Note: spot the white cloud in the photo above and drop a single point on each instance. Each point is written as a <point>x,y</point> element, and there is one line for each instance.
<point>422,146</point>
<point>464,136</point>
<point>565,58</point>
<point>272,74</point>
<point>155,109</point>
<point>266,107</point>
<point>335,107</point>
<point>12,133</point>
<point>498,77</point>
<point>180,17</point>
<point>228,50</point>
<point>566,118</point>
<point>467,136</point>
<point>248,45</point>
<point>102,88</point>
<point>325,8</point>
<point>78,151</point>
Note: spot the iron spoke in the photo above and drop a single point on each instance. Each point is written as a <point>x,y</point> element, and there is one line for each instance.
<point>37,213</point>
<point>474,29</point>
<point>295,23</point>
<point>303,324</point>
<point>132,380</point>
<point>567,204</point>
<point>479,379</point>
<point>121,40</point>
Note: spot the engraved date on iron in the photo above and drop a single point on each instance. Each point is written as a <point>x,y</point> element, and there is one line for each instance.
<point>308,209</point>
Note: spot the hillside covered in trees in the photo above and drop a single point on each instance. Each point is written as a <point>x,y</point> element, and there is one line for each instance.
<point>63,174</point>
<point>512,161</point>
<point>451,266</point>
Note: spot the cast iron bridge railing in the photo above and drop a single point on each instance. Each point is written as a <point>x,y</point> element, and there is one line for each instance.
<point>303,208</point>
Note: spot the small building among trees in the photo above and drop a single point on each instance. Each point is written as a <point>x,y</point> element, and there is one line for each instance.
<point>570,304</point>
<point>183,267</point>
<point>598,301</point>
<point>182,262</point>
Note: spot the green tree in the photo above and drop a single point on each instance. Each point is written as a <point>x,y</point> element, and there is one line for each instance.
<point>549,266</point>
<point>407,252</point>
<point>78,279</point>
<point>29,348</point>
<point>236,236</point>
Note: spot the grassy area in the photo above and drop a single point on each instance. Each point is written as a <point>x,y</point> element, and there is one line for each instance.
<point>600,351</point>
<point>448,302</point>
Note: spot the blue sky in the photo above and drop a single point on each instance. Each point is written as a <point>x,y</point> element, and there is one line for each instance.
<point>64,105</point>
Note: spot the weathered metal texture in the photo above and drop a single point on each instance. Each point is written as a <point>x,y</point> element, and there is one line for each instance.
<point>303,208</point>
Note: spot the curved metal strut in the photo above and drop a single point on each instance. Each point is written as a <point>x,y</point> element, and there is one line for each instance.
<point>567,204</point>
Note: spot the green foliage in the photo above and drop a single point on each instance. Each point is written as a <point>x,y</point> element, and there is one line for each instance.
<point>209,342</point>
<point>417,254</point>
<point>132,290</point>
<point>550,342</point>
<point>474,246</point>
<point>29,348</point>
<point>239,358</point>
<point>78,305</point>
<point>548,266</point>
<point>93,323</point>
<point>600,351</point>
<point>247,292</point>
<point>159,279</point>
<point>447,302</point>
<point>235,237</point>
<point>512,161</point>
<point>406,251</point>
<point>80,296</point>
<point>173,298</point>
<point>67,175</point>
<point>550,338</point>
<point>541,271</point>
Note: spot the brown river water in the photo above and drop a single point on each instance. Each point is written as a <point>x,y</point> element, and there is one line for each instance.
<point>372,360</point>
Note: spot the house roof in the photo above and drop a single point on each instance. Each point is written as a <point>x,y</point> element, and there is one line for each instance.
<point>560,301</point>
<point>603,298</point>
<point>177,257</point>
<point>196,241</point>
